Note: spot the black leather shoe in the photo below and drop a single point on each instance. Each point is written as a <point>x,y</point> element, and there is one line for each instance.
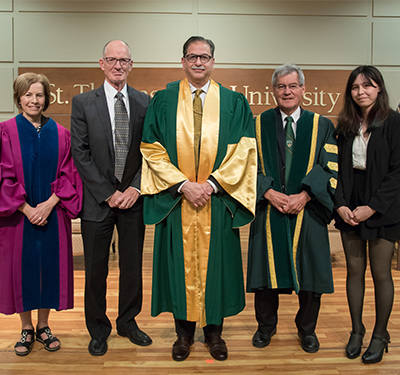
<point>98,347</point>
<point>181,348</point>
<point>353,347</point>
<point>137,337</point>
<point>261,340</point>
<point>309,343</point>
<point>374,353</point>
<point>217,347</point>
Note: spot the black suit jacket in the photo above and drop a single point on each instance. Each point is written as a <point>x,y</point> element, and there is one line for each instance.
<point>93,150</point>
<point>382,189</point>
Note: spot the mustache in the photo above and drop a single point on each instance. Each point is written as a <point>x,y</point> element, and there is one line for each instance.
<point>198,67</point>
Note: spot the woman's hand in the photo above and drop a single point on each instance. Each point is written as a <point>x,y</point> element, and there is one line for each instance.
<point>38,215</point>
<point>362,213</point>
<point>347,215</point>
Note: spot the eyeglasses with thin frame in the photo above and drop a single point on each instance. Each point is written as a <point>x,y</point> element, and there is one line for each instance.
<point>204,58</point>
<point>113,60</point>
<point>291,87</point>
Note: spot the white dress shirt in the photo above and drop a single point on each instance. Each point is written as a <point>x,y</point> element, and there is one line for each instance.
<point>111,100</point>
<point>295,116</point>
<point>203,92</point>
<point>360,145</point>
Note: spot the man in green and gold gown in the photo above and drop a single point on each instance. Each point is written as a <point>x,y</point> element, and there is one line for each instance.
<point>199,186</point>
<point>289,244</point>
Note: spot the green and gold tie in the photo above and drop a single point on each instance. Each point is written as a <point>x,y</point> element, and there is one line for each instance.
<point>289,146</point>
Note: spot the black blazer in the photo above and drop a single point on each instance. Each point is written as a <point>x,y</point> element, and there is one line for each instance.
<point>382,189</point>
<point>93,150</point>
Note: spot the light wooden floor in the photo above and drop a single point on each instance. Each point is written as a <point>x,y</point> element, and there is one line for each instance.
<point>283,355</point>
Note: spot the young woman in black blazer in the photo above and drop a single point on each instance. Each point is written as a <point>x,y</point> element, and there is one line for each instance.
<point>367,202</point>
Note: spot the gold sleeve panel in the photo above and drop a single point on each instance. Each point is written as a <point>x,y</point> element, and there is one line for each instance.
<point>333,182</point>
<point>332,149</point>
<point>237,173</point>
<point>158,173</point>
<point>333,166</point>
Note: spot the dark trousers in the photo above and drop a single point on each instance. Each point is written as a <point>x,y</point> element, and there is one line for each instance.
<point>186,328</point>
<point>266,303</point>
<point>96,240</point>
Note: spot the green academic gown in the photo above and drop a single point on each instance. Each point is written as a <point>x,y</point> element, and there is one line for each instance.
<point>197,268</point>
<point>292,251</point>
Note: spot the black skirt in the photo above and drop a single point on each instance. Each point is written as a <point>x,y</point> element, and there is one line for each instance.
<point>388,232</point>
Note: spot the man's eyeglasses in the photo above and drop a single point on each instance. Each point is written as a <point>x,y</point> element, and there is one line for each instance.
<point>292,87</point>
<point>113,60</point>
<point>203,58</point>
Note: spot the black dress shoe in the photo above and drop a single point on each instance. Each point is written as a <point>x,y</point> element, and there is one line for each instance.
<point>137,337</point>
<point>217,347</point>
<point>261,340</point>
<point>98,347</point>
<point>181,348</point>
<point>353,347</point>
<point>309,343</point>
<point>376,347</point>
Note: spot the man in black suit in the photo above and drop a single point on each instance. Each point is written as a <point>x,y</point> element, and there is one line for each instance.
<point>106,131</point>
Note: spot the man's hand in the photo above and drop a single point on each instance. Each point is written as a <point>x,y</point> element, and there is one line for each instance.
<point>296,203</point>
<point>197,194</point>
<point>127,199</point>
<point>347,215</point>
<point>207,188</point>
<point>277,199</point>
<point>112,201</point>
<point>362,213</point>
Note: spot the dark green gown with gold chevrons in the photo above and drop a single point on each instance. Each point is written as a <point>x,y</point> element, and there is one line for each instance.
<point>292,252</point>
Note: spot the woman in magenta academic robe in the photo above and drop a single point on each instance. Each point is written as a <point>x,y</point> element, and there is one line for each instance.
<point>40,191</point>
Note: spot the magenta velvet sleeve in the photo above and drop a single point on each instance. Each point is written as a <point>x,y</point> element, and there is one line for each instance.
<point>12,192</point>
<point>68,184</point>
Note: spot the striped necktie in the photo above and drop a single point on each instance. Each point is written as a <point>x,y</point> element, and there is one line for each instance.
<point>121,136</point>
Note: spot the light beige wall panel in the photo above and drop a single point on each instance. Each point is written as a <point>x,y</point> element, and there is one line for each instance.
<point>283,7</point>
<point>166,6</point>
<point>80,37</point>
<point>6,92</point>
<point>6,38</point>
<point>6,5</point>
<point>386,8</point>
<point>274,40</point>
<point>386,49</point>
<point>392,81</point>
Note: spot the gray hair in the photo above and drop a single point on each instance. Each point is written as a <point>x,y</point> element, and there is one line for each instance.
<point>114,40</point>
<point>285,70</point>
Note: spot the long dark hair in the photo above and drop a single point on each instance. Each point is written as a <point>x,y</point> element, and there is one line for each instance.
<point>350,116</point>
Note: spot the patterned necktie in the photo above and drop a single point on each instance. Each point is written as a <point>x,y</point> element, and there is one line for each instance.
<point>121,136</point>
<point>197,117</point>
<point>289,146</point>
